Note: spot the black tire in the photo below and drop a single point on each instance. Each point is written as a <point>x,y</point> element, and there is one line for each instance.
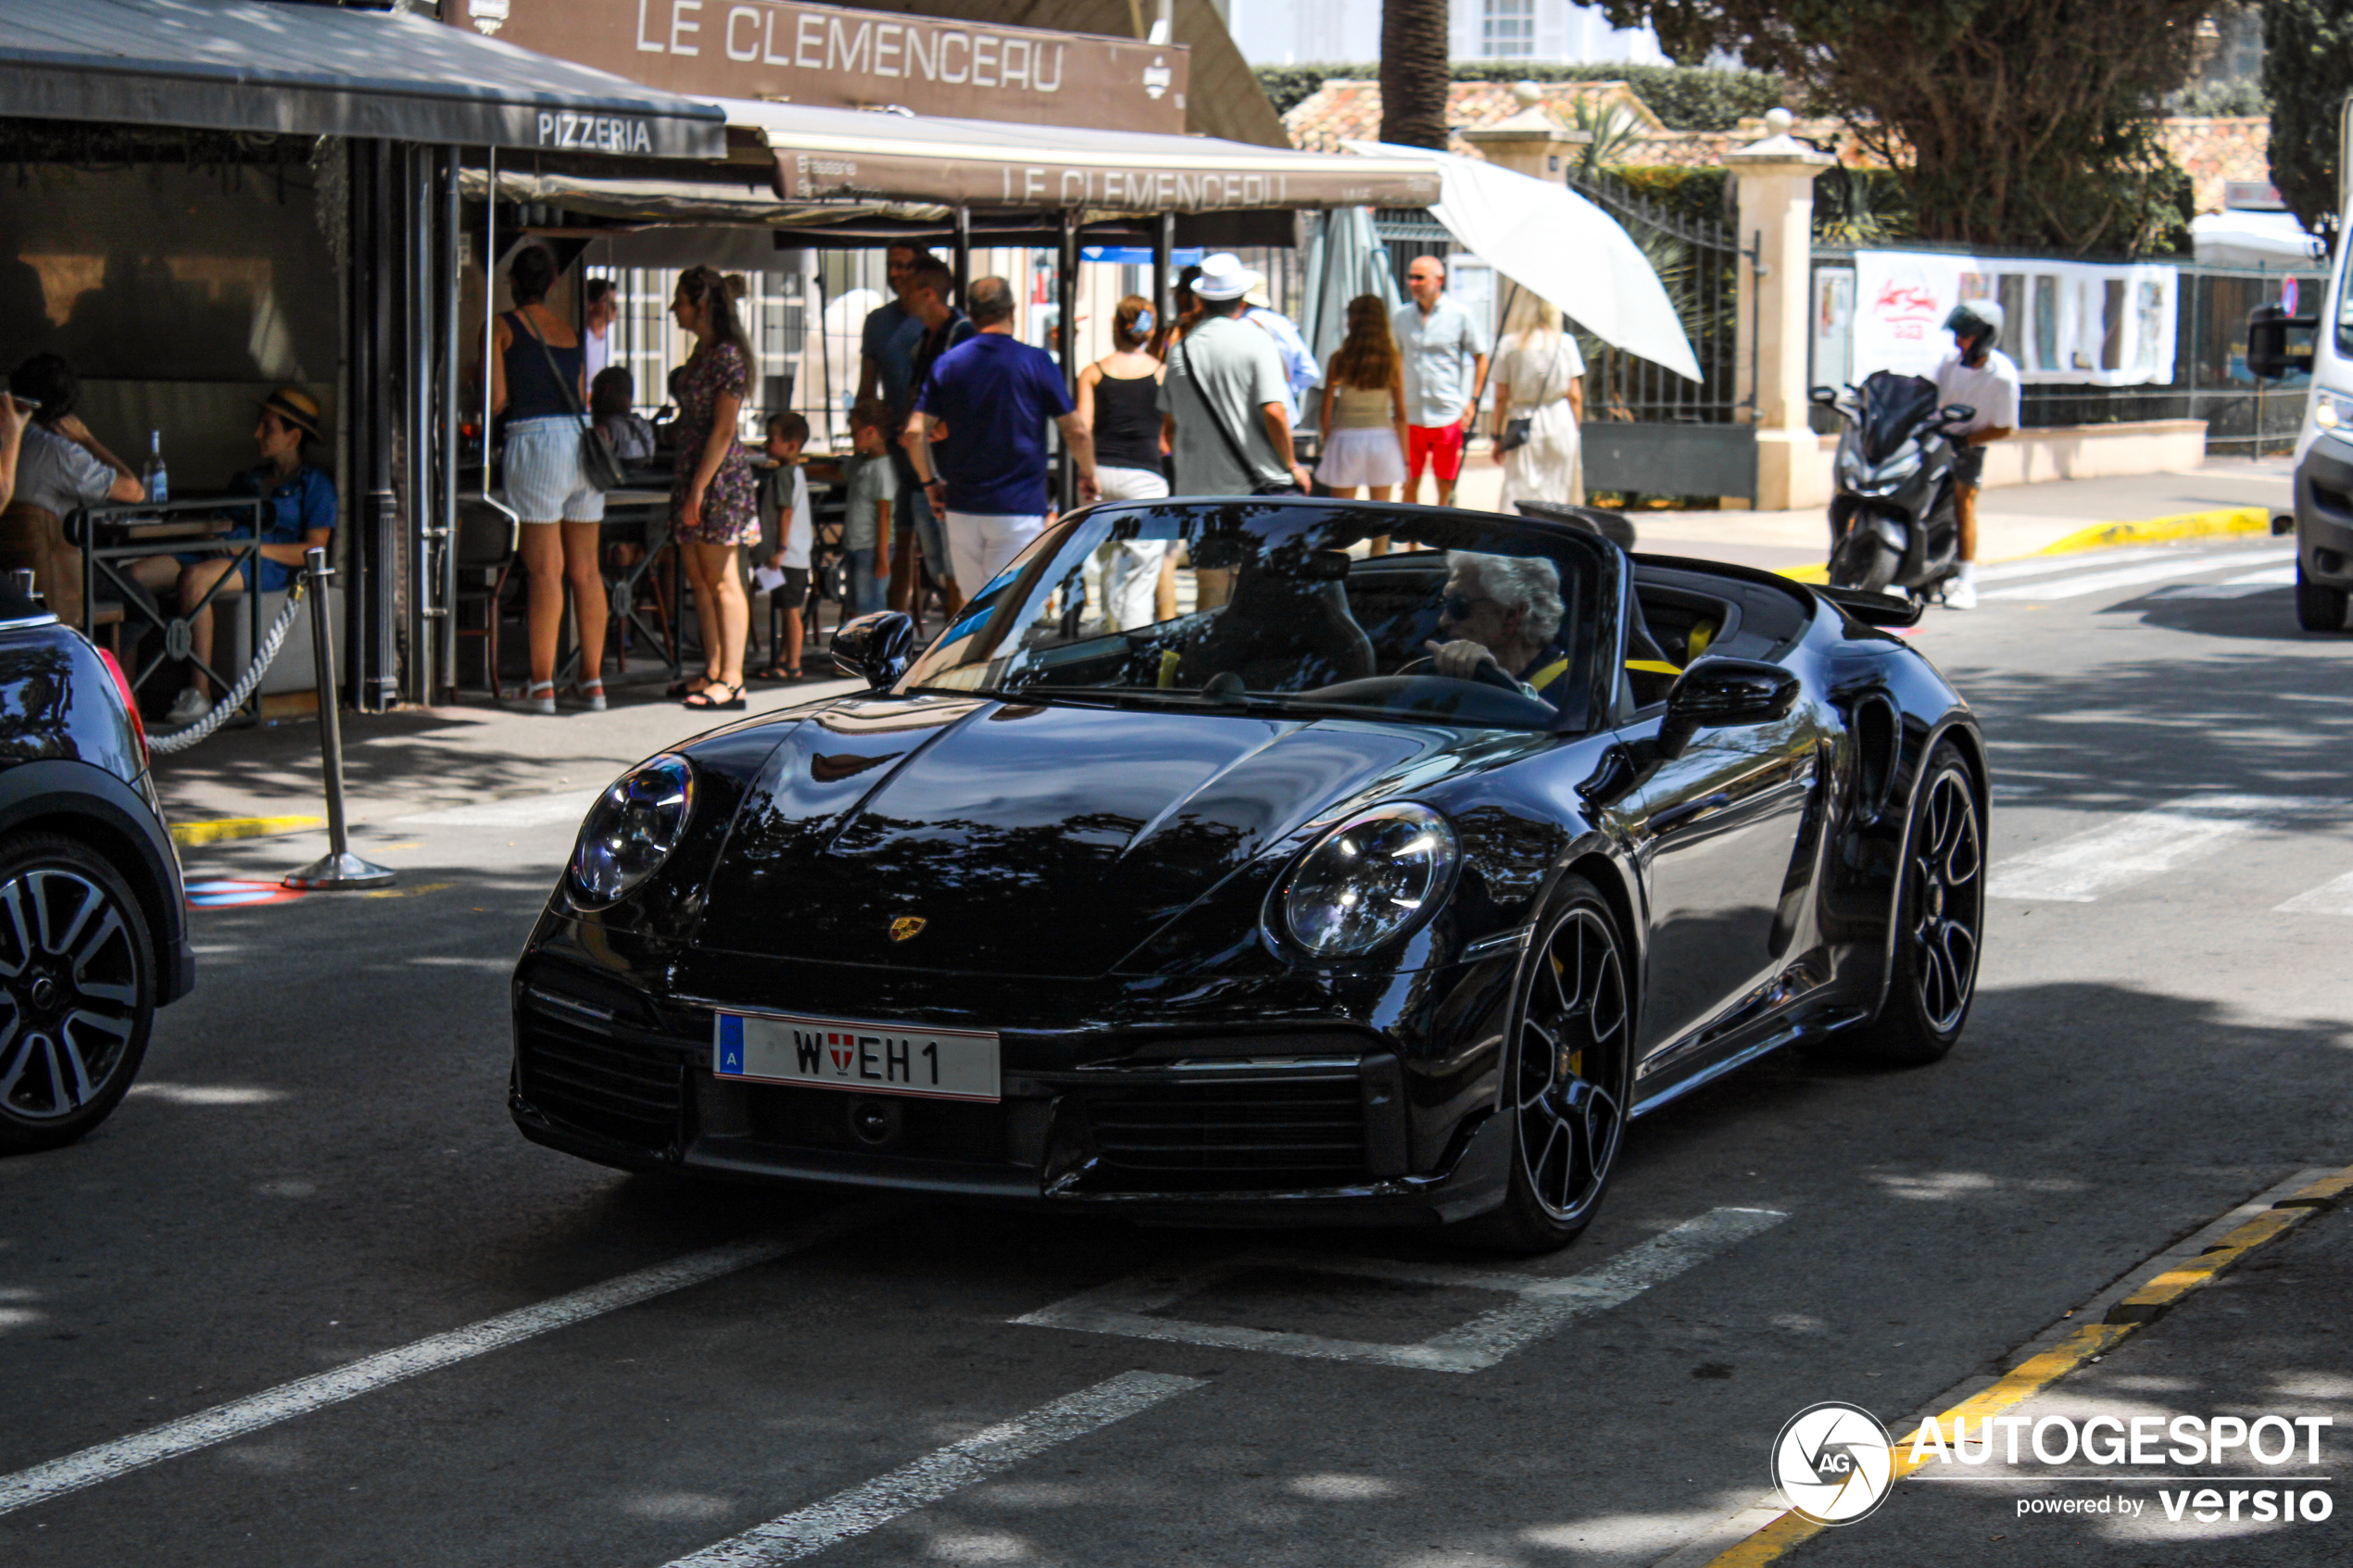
<point>1940,924</point>
<point>1566,1077</point>
<point>1863,561</point>
<point>77,990</point>
<point>2319,608</point>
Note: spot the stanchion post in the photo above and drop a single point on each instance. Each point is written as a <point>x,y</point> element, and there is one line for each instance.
<point>339,867</point>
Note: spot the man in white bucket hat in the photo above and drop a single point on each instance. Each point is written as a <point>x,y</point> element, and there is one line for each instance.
<point>1224,407</point>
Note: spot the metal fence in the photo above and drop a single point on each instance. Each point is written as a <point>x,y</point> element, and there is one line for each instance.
<point>2210,380</point>
<point>1698,260</point>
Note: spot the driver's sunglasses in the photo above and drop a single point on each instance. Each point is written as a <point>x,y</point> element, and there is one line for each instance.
<point>1458,607</point>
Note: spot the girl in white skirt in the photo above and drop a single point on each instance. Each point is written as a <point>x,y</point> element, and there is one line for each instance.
<point>1539,376</point>
<point>1364,419</point>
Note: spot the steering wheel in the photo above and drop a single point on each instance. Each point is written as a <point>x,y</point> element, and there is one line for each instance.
<point>1487,672</point>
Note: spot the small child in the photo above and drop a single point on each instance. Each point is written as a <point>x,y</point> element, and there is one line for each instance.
<point>625,430</point>
<point>784,517</point>
<point>874,493</point>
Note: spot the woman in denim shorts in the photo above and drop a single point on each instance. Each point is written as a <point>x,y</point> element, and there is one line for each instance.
<point>547,484</point>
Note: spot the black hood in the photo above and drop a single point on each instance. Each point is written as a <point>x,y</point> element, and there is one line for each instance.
<point>1045,841</point>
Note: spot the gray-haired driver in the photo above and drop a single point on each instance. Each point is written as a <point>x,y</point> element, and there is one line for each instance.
<point>1503,610</point>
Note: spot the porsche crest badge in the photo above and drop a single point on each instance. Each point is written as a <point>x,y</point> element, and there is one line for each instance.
<point>906,926</point>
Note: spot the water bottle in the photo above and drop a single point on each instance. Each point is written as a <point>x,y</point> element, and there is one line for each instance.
<point>158,483</point>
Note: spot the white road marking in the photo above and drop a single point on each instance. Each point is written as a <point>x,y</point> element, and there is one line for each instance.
<point>1542,1306</point>
<point>2129,576</point>
<point>107,1461</point>
<point>2262,581</point>
<point>2078,869</point>
<point>2049,565</point>
<point>857,1510</point>
<point>2329,899</point>
<point>521,811</point>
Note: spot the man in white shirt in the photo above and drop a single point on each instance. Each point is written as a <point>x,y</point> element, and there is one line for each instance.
<point>603,304</point>
<point>1983,377</point>
<point>1299,371</point>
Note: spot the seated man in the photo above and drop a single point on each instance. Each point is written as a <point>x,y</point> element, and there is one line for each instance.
<point>299,512</point>
<point>1503,610</point>
<point>60,468</point>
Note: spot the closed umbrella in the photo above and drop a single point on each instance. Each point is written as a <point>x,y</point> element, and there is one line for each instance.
<point>1345,258</point>
<point>1557,244</point>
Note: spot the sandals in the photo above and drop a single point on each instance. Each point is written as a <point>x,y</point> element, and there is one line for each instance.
<point>687,685</point>
<point>540,698</point>
<point>591,694</point>
<point>703,701</point>
<point>774,674</point>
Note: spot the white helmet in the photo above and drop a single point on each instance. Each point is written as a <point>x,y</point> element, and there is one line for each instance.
<point>1972,316</point>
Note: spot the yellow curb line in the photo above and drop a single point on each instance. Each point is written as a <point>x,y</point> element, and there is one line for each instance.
<point>409,892</point>
<point>2110,535</point>
<point>2035,1374</point>
<point>224,828</point>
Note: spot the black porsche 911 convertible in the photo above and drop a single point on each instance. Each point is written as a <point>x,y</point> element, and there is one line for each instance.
<point>1329,887</point>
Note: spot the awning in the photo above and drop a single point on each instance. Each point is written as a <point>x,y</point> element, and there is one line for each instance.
<point>317,70</point>
<point>852,158</point>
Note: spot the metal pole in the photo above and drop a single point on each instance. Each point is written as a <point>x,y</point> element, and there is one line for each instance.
<point>964,252</point>
<point>427,527</point>
<point>489,307</point>
<point>1066,325</point>
<point>339,867</point>
<point>449,417</point>
<point>1164,271</point>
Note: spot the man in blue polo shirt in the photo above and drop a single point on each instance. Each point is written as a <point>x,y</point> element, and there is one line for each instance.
<point>978,438</point>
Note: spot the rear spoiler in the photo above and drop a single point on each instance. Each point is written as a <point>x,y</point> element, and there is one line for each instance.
<point>1873,610</point>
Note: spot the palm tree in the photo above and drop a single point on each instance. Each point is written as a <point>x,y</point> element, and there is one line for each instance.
<point>1414,72</point>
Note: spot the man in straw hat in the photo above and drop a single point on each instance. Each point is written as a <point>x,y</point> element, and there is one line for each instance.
<point>299,512</point>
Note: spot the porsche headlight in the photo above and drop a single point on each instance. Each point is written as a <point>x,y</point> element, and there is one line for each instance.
<point>1372,878</point>
<point>631,829</point>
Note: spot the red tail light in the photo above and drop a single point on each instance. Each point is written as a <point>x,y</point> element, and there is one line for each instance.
<point>138,725</point>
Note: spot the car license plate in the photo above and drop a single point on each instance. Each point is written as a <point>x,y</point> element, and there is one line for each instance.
<point>873,1059</point>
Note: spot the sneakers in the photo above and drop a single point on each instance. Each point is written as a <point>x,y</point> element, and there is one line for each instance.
<point>187,708</point>
<point>1960,592</point>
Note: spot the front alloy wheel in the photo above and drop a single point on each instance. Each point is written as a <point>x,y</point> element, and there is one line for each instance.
<point>77,991</point>
<point>1566,1079</point>
<point>1940,914</point>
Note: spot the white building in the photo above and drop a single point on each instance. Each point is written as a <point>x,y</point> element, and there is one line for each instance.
<point>1278,33</point>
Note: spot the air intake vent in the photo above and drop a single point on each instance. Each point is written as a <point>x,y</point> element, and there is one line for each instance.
<point>582,1077</point>
<point>1262,1133</point>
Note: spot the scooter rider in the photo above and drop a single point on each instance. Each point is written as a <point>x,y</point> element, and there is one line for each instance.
<point>1986,379</point>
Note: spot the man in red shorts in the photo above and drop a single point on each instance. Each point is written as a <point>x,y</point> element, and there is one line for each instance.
<point>1446,355</point>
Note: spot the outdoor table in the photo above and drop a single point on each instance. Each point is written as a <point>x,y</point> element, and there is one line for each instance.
<point>645,519</point>
<point>112,535</point>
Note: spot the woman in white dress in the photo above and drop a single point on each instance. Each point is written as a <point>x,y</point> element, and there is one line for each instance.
<point>1539,376</point>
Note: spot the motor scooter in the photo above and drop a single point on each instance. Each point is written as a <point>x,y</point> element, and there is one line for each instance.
<point>1893,524</point>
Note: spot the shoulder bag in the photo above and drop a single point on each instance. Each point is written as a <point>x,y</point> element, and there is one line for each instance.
<point>598,462</point>
<point>1518,428</point>
<point>1234,447</point>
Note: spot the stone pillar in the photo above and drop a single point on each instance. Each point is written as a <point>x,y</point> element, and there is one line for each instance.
<point>1531,142</point>
<point>1775,193</point>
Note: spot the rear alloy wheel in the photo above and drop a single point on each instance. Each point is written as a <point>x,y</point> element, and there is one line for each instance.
<point>77,990</point>
<point>1566,1078</point>
<point>2319,608</point>
<point>1940,915</point>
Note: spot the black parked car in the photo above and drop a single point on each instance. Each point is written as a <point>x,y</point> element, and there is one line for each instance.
<point>1366,887</point>
<point>94,927</point>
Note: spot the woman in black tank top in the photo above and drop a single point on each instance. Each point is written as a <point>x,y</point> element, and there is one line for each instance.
<point>1119,399</point>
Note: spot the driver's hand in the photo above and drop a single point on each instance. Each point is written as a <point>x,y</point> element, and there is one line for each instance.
<point>1460,658</point>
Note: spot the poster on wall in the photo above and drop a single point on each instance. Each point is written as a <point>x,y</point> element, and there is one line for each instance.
<point>2068,321</point>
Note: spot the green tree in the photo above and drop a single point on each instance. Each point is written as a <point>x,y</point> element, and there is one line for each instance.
<point>1413,72</point>
<point>2308,70</point>
<point>2016,122</point>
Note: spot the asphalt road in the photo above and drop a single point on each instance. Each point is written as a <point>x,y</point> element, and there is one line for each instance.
<point>316,1180</point>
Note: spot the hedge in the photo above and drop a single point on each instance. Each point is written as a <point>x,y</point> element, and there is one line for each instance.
<point>1685,97</point>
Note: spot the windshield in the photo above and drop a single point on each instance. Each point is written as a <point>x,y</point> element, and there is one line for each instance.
<point>1281,606</point>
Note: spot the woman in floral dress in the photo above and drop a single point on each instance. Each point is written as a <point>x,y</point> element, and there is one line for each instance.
<point>712,498</point>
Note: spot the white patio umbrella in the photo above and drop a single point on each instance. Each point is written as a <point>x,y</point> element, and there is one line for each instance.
<point>1553,243</point>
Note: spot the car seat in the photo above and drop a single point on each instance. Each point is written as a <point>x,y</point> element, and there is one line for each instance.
<point>1287,628</point>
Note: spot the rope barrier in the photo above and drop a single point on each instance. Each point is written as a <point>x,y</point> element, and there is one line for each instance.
<point>179,740</point>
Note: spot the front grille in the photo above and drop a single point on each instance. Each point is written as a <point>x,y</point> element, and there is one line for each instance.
<point>1268,1133</point>
<point>574,1073</point>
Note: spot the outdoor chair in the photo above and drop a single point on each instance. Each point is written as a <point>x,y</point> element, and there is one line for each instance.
<point>486,564</point>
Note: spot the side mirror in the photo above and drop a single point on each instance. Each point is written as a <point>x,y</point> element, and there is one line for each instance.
<point>2268,354</point>
<point>878,646</point>
<point>1823,397</point>
<point>1714,693</point>
<point>1955,413</point>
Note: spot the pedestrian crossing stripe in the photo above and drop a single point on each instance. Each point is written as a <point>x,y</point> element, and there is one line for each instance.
<point>230,894</point>
<point>2141,845</point>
